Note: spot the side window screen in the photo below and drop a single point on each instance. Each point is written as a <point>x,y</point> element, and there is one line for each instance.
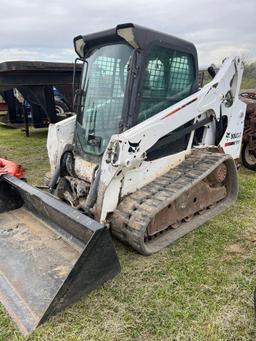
<point>155,72</point>
<point>181,75</point>
<point>169,76</point>
<point>106,78</point>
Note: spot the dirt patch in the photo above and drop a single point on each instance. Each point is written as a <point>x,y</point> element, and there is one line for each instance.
<point>235,249</point>
<point>251,235</point>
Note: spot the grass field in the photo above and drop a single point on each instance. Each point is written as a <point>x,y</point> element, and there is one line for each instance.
<point>199,288</point>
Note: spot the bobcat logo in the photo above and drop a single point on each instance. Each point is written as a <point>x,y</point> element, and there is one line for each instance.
<point>134,147</point>
<point>233,136</point>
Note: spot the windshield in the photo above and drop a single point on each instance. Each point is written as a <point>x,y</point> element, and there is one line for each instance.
<point>103,86</point>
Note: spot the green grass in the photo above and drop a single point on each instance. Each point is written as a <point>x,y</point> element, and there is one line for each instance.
<point>30,152</point>
<point>199,288</point>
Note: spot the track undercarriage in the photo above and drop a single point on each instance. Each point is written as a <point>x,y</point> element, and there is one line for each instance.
<point>176,203</point>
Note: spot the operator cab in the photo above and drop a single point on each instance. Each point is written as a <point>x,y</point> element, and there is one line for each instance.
<point>130,73</point>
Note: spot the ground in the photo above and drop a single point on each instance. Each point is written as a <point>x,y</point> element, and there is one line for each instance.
<point>199,288</point>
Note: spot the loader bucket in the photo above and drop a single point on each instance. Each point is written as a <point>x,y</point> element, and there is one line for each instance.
<point>50,254</point>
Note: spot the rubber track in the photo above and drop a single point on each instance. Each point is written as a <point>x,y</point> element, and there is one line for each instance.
<point>134,213</point>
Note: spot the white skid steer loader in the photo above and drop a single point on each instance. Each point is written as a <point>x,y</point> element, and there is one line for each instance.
<point>149,157</point>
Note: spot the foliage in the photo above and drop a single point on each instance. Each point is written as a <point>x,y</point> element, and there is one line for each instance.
<point>249,76</point>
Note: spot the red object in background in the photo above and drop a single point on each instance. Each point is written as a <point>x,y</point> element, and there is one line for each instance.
<point>11,168</point>
<point>3,106</point>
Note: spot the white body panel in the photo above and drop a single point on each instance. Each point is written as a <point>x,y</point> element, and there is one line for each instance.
<point>232,140</point>
<point>59,134</point>
<point>148,171</point>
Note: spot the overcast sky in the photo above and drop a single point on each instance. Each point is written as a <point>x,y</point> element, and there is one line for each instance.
<point>44,30</point>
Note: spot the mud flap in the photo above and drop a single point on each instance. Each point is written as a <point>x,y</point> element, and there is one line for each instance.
<point>50,254</point>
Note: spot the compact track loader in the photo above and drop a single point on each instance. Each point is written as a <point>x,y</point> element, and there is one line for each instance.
<point>149,157</point>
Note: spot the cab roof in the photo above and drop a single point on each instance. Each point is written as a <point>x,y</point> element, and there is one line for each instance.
<point>132,34</point>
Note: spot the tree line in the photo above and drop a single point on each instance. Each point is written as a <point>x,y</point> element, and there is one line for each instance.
<point>249,76</point>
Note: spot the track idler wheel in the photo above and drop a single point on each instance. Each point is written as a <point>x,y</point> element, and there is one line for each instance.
<point>219,175</point>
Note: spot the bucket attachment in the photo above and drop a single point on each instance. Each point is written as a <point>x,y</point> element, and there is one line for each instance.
<point>50,254</point>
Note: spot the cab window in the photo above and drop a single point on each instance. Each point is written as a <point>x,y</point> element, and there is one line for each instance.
<point>168,78</point>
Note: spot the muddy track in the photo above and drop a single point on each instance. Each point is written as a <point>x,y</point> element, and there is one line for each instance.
<point>177,202</point>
